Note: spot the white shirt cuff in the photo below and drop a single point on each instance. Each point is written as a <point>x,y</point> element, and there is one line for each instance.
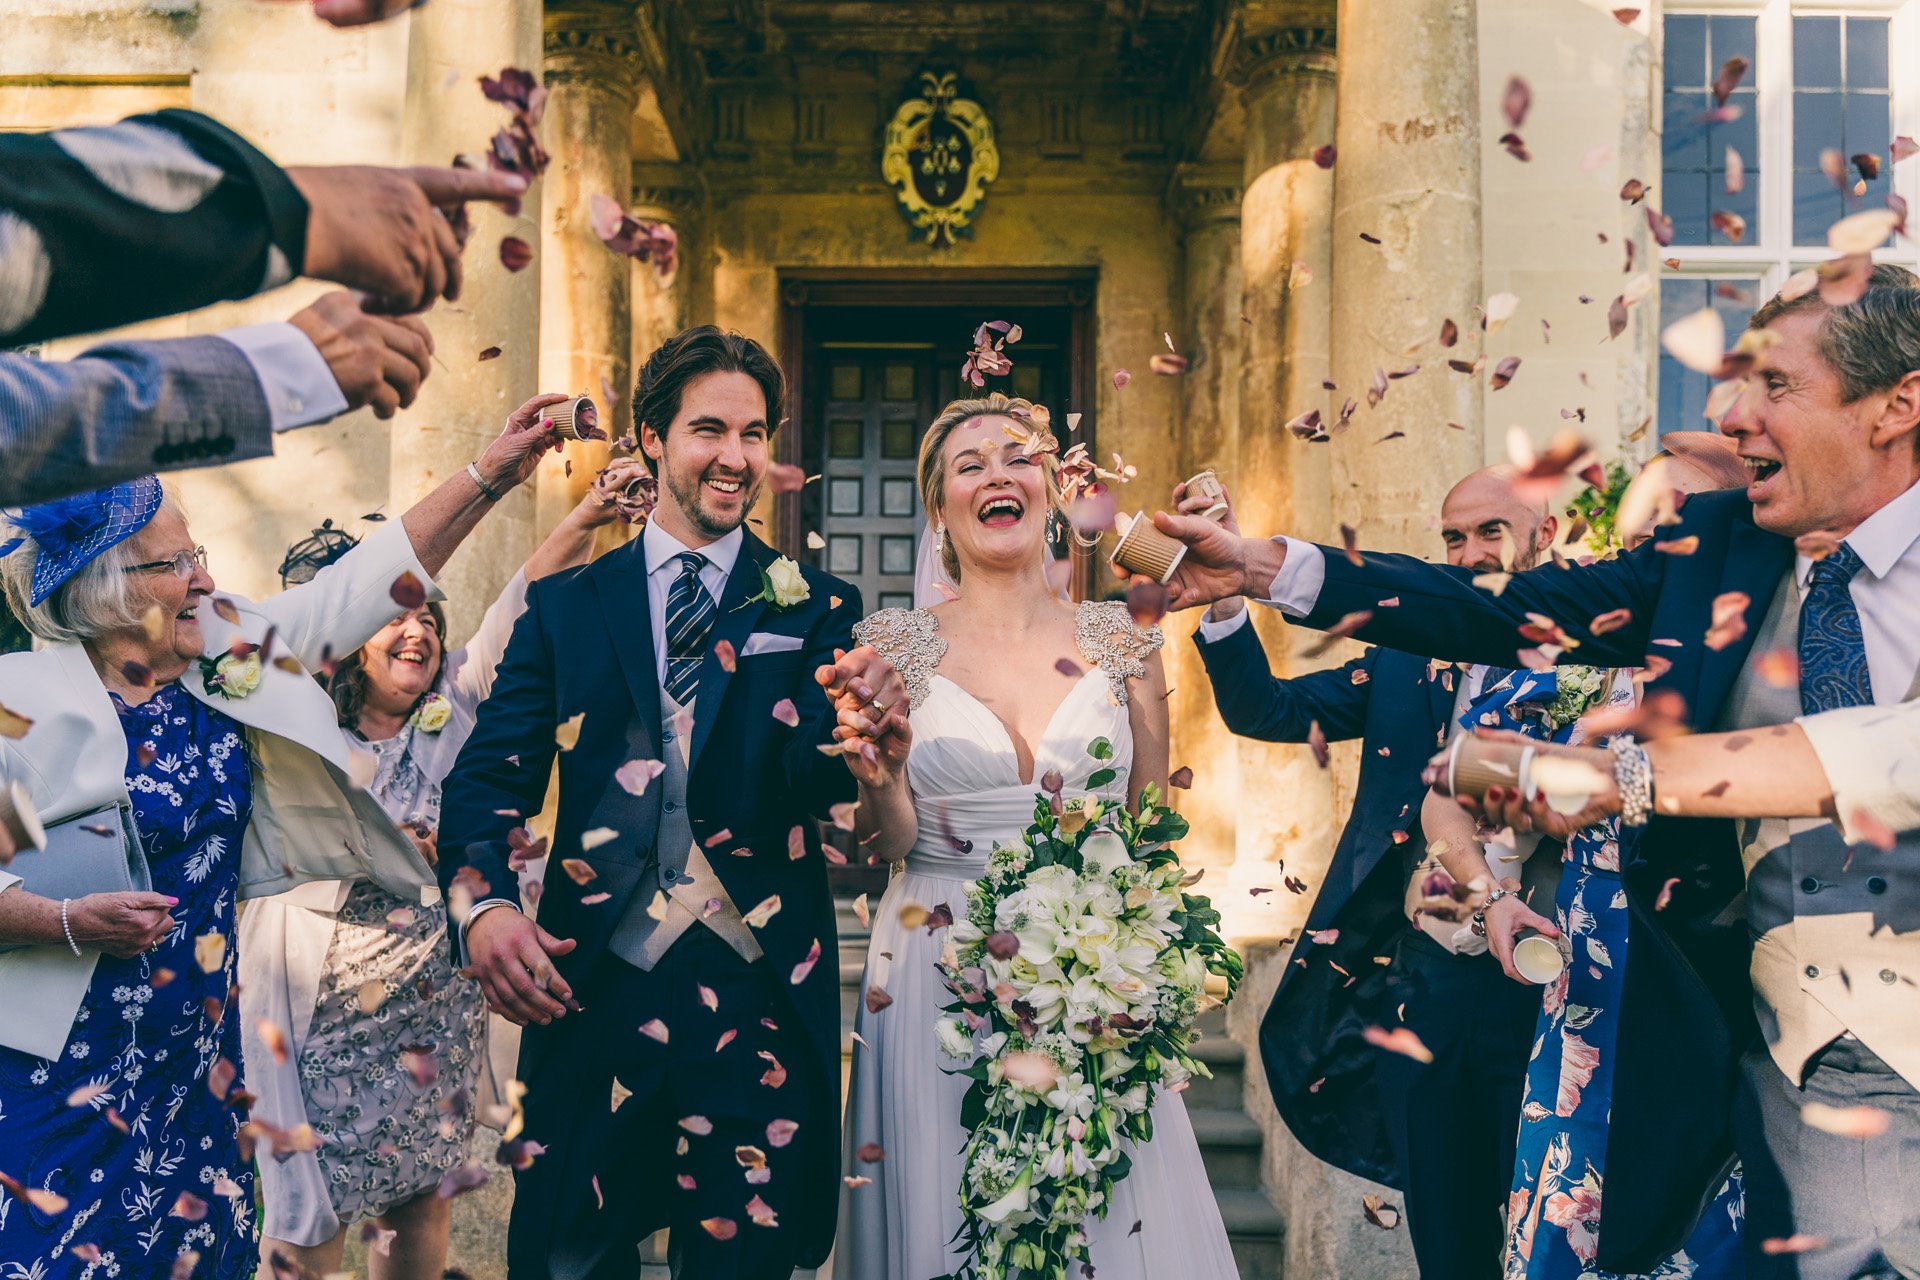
<point>299,386</point>
<point>1212,632</point>
<point>1872,760</point>
<point>1296,588</point>
<point>479,909</point>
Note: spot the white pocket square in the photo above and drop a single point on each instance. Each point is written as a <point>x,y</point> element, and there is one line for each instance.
<point>766,642</point>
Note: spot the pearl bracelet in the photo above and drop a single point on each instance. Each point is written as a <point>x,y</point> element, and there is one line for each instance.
<point>1633,778</point>
<point>67,928</point>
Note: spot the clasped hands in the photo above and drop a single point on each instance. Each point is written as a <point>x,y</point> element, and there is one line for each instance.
<point>870,714</point>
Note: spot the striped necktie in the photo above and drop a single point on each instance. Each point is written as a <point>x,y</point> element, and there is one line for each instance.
<point>690,611</point>
<point>1833,651</point>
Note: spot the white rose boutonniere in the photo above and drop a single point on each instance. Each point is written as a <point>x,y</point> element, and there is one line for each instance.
<point>233,674</point>
<point>782,586</point>
<point>432,714</point>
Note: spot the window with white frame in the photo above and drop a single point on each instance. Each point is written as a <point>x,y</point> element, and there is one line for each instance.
<point>1751,183</point>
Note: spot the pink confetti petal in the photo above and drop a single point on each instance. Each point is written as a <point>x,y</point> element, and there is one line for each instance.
<point>805,967</point>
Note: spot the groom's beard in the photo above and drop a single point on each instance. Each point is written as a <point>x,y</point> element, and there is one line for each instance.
<point>691,504</point>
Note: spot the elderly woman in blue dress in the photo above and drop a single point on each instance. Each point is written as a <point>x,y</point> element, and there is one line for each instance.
<point>123,1133</point>
<point>352,972</point>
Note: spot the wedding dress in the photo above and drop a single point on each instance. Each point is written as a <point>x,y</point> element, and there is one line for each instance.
<point>968,796</point>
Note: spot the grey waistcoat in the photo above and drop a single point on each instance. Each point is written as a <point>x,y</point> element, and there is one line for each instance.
<point>681,889</point>
<point>1836,929</point>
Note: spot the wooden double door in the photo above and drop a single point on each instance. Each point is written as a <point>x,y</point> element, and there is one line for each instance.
<point>873,379</point>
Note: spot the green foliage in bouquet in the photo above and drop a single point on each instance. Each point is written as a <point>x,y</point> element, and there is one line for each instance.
<point>1599,506</point>
<point>1077,973</point>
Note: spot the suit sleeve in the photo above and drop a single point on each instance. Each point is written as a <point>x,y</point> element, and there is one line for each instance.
<point>125,410</point>
<point>153,216</point>
<point>824,780</point>
<point>499,780</point>
<point>1436,611</point>
<point>1255,703</point>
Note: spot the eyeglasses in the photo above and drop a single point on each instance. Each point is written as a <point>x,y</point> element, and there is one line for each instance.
<point>182,564</point>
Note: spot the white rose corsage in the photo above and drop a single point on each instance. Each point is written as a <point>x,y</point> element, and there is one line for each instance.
<point>432,714</point>
<point>782,586</point>
<point>234,674</point>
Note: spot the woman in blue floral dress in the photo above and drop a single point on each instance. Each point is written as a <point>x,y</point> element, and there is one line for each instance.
<point>1553,1211</point>
<point>133,1125</point>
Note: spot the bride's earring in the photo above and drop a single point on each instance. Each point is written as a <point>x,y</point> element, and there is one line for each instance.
<point>939,539</point>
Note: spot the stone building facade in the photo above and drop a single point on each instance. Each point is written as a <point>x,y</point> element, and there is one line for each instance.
<point>1296,193</point>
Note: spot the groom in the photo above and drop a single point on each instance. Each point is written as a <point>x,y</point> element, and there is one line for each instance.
<point>688,949</point>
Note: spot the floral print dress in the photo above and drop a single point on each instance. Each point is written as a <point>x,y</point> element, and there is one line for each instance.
<point>398,1041</point>
<point>1553,1212</point>
<point>134,1128</point>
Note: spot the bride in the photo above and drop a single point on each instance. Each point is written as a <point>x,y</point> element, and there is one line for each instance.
<point>1005,685</point>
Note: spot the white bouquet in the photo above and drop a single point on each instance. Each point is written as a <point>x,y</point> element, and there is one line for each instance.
<point>1077,974</point>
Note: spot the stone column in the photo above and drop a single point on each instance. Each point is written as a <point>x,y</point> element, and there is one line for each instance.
<point>1206,201</point>
<point>1409,177</point>
<point>662,194</point>
<point>1287,822</point>
<point>592,78</point>
<point>464,402</point>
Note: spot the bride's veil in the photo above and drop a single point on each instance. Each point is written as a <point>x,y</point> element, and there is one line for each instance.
<point>929,575</point>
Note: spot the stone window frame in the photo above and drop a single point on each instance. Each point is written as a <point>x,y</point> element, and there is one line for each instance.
<point>1764,263</point>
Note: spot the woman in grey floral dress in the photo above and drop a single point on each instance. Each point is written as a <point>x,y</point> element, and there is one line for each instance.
<point>386,1040</point>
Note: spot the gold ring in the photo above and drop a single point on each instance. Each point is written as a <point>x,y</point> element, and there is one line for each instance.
<point>880,706</point>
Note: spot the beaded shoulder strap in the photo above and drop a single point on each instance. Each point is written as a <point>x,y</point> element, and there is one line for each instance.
<point>1109,639</point>
<point>910,640</point>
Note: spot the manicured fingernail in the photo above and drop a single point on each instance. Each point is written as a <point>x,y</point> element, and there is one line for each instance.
<point>173,902</point>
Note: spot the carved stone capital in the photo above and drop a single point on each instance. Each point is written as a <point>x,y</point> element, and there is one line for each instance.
<point>591,50</point>
<point>664,195</point>
<point>1258,56</point>
<point>1203,194</point>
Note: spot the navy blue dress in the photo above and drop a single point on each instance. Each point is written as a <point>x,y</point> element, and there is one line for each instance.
<point>131,1125</point>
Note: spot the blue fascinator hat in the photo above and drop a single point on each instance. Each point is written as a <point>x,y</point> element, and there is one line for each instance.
<point>70,533</point>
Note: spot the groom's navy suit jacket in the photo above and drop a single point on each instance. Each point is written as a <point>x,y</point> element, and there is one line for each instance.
<point>585,647</point>
<point>1687,1011</point>
<point>1319,1067</point>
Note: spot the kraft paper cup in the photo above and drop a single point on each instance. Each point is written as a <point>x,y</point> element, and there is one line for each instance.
<point>1145,550</point>
<point>576,419</point>
<point>1538,958</point>
<point>1207,485</point>
<point>1474,765</point>
<point>19,819</point>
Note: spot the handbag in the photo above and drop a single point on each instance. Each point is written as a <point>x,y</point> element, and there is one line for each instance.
<point>98,852</point>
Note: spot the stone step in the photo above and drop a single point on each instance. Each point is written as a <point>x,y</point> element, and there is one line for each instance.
<point>1255,1231</point>
<point>1230,1144</point>
<point>1228,1061</point>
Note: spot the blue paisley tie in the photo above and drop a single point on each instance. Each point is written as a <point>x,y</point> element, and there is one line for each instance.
<point>1833,653</point>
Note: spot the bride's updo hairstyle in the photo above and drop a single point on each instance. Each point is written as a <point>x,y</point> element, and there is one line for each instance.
<point>933,458</point>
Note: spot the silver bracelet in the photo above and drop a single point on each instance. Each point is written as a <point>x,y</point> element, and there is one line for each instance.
<point>1479,922</point>
<point>1633,778</point>
<point>473,474</point>
<point>67,928</point>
